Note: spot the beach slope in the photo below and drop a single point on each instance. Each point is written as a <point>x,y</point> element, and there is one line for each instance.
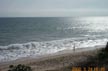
<point>55,62</point>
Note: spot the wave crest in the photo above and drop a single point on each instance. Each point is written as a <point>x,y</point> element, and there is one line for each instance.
<point>15,51</point>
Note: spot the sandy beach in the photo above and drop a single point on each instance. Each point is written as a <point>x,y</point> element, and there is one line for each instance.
<point>54,62</point>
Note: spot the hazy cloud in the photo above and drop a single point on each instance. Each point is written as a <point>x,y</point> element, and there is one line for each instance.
<point>53,7</point>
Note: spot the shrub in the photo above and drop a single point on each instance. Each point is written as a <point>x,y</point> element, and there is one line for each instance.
<point>19,67</point>
<point>106,48</point>
<point>103,53</point>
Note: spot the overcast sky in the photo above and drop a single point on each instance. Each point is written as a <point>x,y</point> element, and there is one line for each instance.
<point>46,8</point>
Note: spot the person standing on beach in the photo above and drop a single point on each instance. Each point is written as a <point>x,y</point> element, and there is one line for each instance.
<point>74,47</point>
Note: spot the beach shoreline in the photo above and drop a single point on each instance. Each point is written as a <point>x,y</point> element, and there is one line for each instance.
<point>54,61</point>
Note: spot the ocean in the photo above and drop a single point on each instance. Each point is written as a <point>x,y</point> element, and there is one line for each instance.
<point>36,36</point>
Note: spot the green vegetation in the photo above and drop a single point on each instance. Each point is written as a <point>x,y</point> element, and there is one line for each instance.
<point>103,54</point>
<point>19,68</point>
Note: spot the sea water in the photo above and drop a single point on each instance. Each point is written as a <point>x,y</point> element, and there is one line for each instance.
<point>33,36</point>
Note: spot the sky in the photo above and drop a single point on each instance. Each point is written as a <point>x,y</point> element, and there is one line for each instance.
<point>53,8</point>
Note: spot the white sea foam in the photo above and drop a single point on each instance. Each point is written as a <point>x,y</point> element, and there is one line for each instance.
<point>15,51</point>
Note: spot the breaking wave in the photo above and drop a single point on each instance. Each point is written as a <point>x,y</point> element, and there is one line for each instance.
<point>15,51</point>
